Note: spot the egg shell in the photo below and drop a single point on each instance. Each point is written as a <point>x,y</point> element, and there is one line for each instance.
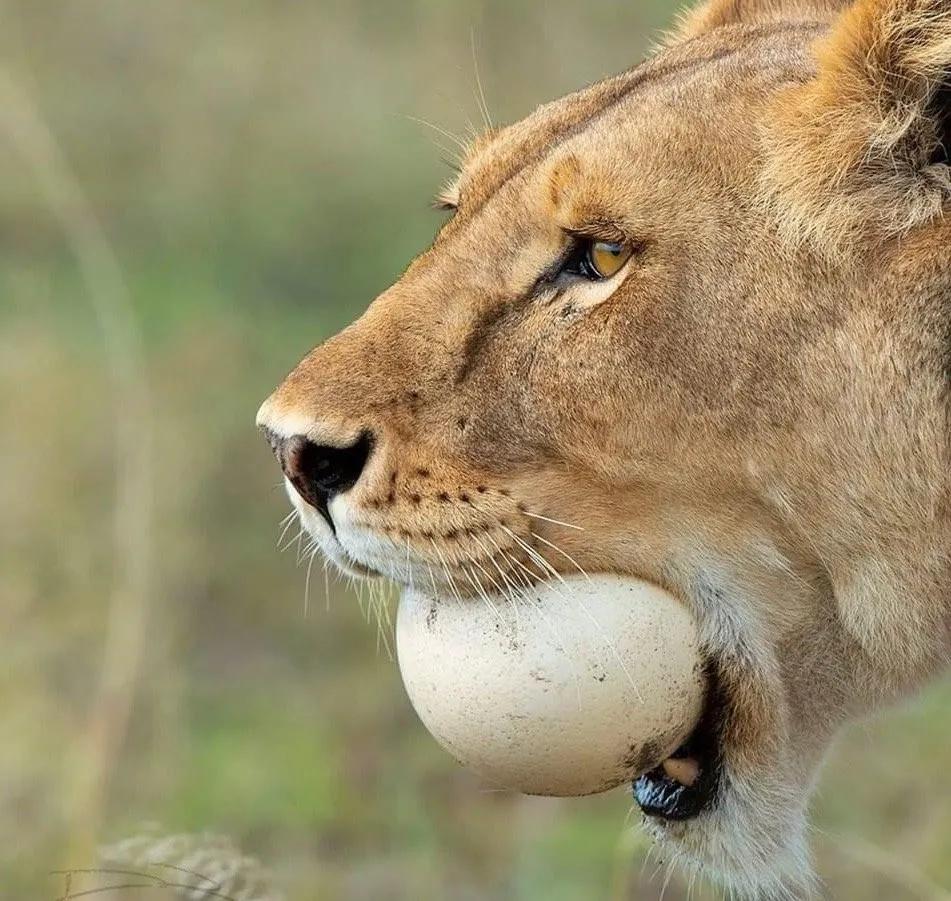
<point>571,689</point>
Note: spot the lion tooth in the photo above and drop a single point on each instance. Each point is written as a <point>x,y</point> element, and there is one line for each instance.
<point>685,770</point>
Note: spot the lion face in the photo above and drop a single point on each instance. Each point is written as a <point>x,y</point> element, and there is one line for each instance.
<point>631,349</point>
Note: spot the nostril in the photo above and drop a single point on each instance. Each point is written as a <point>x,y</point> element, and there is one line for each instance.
<point>294,456</point>
<point>320,471</point>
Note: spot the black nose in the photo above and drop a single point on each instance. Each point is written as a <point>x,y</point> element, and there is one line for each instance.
<point>320,471</point>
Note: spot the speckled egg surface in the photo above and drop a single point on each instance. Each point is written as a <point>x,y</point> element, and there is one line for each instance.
<point>571,689</point>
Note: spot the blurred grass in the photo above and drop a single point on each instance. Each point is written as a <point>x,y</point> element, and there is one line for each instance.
<point>257,173</point>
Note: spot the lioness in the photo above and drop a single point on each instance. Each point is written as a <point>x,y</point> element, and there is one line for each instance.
<point>691,324</point>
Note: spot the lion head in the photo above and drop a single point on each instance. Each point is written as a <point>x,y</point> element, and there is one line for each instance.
<point>689,324</point>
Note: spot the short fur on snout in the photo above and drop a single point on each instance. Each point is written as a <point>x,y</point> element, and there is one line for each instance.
<point>752,414</point>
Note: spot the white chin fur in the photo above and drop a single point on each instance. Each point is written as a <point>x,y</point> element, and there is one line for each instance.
<point>739,844</point>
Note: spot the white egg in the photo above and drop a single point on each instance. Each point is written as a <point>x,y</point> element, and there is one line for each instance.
<point>571,690</point>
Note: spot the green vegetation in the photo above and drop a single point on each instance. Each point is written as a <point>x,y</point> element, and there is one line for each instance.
<point>258,176</point>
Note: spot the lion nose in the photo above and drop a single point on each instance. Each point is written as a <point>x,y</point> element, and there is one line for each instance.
<point>319,472</point>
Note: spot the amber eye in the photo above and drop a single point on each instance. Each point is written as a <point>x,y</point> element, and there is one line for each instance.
<point>607,259</point>
<point>595,261</point>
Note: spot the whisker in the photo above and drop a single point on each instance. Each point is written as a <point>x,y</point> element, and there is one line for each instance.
<point>365,604</point>
<point>445,567</point>
<point>543,564</point>
<point>526,576</point>
<point>484,107</point>
<point>525,583</point>
<point>355,589</point>
<point>559,639</point>
<point>284,525</point>
<point>381,608</point>
<point>556,522</point>
<point>627,818</point>
<point>386,593</point>
<point>409,568</point>
<point>513,595</point>
<point>372,612</point>
<point>485,572</point>
<point>600,629</point>
<point>670,872</point>
<point>280,538</point>
<point>525,594</point>
<point>446,134</point>
<point>564,554</point>
<point>432,580</point>
<point>446,154</point>
<point>491,558</point>
<point>289,543</point>
<point>304,549</point>
<point>651,851</point>
<point>482,593</point>
<point>310,566</point>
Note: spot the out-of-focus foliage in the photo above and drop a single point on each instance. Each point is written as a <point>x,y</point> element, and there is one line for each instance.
<point>258,174</point>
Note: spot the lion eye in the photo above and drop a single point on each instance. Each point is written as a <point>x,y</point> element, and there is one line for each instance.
<point>596,261</point>
<point>607,259</point>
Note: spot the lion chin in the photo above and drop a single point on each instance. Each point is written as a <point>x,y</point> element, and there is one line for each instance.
<point>691,325</point>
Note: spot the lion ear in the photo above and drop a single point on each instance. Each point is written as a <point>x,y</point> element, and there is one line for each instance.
<point>716,13</point>
<point>863,146</point>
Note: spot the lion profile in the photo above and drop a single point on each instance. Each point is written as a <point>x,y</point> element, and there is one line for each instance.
<point>690,324</point>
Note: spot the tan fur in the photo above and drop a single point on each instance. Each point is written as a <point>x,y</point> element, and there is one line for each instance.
<point>754,415</point>
<point>851,147</point>
<point>717,13</point>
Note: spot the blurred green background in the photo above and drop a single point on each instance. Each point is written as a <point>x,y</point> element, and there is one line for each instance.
<point>193,194</point>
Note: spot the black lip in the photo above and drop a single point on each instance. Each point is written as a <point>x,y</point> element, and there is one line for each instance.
<point>658,795</point>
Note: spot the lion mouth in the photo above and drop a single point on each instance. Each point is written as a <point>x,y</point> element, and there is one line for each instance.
<point>685,784</point>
